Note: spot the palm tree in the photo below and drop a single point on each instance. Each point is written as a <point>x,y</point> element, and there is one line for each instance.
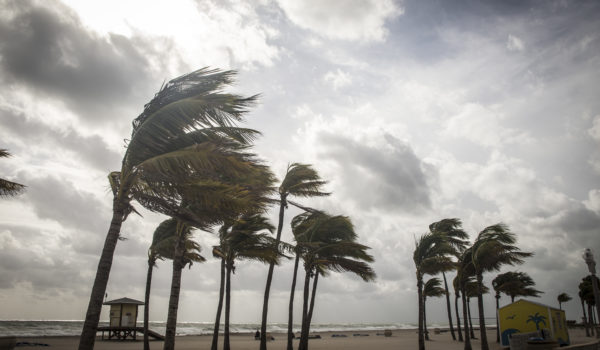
<point>329,245</point>
<point>185,139</point>
<point>184,251</point>
<point>516,284</point>
<point>586,294</point>
<point>241,241</point>
<point>163,247</point>
<point>9,188</point>
<point>512,284</point>
<point>563,298</point>
<point>432,255</point>
<point>455,284</point>
<point>471,291</point>
<point>451,229</point>
<point>493,248</point>
<point>585,319</point>
<point>432,288</point>
<point>300,180</point>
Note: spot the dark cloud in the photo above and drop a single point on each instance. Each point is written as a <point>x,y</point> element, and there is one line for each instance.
<point>47,50</point>
<point>389,178</point>
<point>59,200</point>
<point>47,267</point>
<point>92,150</point>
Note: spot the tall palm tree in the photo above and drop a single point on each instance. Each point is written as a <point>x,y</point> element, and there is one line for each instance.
<point>456,236</point>
<point>585,318</point>
<point>9,188</point>
<point>300,180</point>
<point>464,274</point>
<point>493,248</point>
<point>456,286</point>
<point>563,298</point>
<point>432,255</point>
<point>185,138</point>
<point>433,289</point>
<point>330,245</point>
<point>242,241</point>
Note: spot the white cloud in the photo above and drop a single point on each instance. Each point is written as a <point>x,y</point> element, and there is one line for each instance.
<point>483,125</point>
<point>338,79</point>
<point>362,20</point>
<point>593,201</point>
<point>514,43</point>
<point>594,131</point>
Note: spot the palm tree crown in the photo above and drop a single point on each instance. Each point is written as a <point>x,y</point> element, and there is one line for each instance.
<point>515,284</point>
<point>9,188</point>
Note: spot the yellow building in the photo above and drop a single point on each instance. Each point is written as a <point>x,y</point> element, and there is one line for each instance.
<point>123,312</point>
<point>524,316</point>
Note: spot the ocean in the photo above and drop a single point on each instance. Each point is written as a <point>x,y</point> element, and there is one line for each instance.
<point>73,328</point>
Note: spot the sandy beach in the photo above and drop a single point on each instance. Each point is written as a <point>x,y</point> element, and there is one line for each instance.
<point>401,339</point>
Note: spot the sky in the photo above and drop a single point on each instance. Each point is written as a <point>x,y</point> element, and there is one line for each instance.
<point>413,111</point>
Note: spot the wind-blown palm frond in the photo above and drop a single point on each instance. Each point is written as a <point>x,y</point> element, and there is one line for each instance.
<point>9,188</point>
<point>433,288</point>
<point>302,180</point>
<point>515,284</point>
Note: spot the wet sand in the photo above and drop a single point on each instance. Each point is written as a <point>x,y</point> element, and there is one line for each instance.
<point>400,339</point>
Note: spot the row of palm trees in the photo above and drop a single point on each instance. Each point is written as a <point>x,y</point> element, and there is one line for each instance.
<point>446,248</point>
<point>586,296</point>
<point>188,159</point>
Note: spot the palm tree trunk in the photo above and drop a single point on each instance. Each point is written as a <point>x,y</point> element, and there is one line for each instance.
<point>512,298</point>
<point>460,336</point>
<point>215,339</point>
<point>448,307</point>
<point>482,332</point>
<point>585,321</point>
<point>465,313</point>
<point>265,311</point>
<point>497,321</point>
<point>425,318</point>
<point>303,333</point>
<point>310,309</point>
<point>470,319</point>
<point>92,316</point>
<point>559,305</point>
<point>171,326</point>
<point>226,344</point>
<point>291,307</point>
<point>147,302</point>
<point>421,311</point>
<point>591,317</point>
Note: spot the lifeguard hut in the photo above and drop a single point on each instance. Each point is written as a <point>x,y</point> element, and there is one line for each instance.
<point>123,319</point>
<point>524,316</point>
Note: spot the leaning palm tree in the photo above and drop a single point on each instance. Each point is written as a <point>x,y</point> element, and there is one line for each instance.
<point>329,245</point>
<point>162,247</point>
<point>493,248</point>
<point>455,285</point>
<point>432,255</point>
<point>185,139</point>
<point>513,284</point>
<point>433,289</point>
<point>465,273</point>
<point>471,291</point>
<point>456,236</point>
<point>242,241</point>
<point>9,188</point>
<point>300,180</point>
<point>563,298</point>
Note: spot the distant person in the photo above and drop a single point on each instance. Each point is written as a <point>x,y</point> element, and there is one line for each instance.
<point>257,335</point>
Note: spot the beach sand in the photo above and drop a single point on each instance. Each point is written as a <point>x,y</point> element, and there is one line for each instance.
<point>401,339</point>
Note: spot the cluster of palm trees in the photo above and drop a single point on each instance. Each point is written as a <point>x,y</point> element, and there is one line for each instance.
<point>586,296</point>
<point>446,248</point>
<point>188,159</point>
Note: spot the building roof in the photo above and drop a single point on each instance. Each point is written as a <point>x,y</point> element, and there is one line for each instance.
<point>124,301</point>
<point>531,302</point>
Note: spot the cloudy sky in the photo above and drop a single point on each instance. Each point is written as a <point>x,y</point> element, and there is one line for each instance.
<point>413,111</point>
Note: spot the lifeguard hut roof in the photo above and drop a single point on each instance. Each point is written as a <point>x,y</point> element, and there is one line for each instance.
<point>124,301</point>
